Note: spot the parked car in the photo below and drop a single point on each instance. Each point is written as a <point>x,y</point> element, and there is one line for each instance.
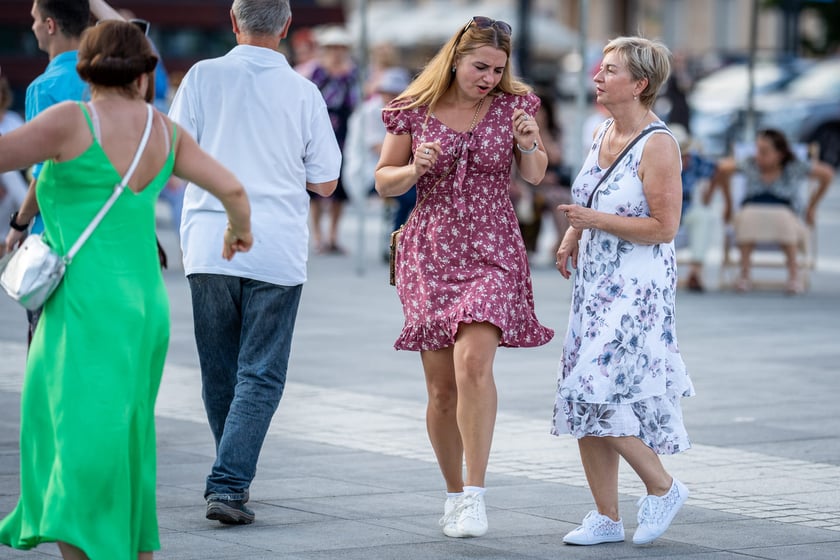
<point>718,101</point>
<point>808,109</point>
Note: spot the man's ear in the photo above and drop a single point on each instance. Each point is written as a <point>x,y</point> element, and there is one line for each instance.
<point>286,28</point>
<point>233,23</point>
<point>52,25</point>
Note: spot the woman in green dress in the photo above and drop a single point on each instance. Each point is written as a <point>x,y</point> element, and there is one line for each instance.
<point>93,370</point>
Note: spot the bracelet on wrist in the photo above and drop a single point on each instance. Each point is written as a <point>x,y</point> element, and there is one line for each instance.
<point>530,150</point>
<point>13,223</point>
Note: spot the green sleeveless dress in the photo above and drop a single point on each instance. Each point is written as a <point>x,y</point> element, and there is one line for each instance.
<point>87,442</point>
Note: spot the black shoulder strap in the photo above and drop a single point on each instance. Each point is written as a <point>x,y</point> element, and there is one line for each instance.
<point>619,158</point>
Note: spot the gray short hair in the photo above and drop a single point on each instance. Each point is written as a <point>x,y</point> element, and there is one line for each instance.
<point>645,58</point>
<point>261,17</point>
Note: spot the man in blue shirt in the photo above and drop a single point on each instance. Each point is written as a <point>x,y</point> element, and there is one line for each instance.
<point>58,27</point>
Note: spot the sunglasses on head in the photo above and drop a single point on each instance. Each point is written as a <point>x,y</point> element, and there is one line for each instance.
<point>482,22</point>
<point>141,24</point>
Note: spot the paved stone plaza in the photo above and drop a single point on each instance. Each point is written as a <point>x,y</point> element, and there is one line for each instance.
<point>347,471</point>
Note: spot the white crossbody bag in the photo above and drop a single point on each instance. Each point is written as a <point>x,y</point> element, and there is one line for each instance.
<point>32,272</point>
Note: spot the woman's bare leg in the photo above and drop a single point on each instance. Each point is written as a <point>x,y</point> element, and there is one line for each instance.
<point>600,464</point>
<point>746,256</point>
<point>646,463</point>
<point>791,260</point>
<point>70,552</point>
<point>315,208</point>
<point>474,352</point>
<point>441,418</point>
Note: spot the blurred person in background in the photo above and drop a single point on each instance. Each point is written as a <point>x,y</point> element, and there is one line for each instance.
<point>773,209</point>
<point>12,183</point>
<point>304,51</point>
<point>57,26</point>
<point>9,120</point>
<point>699,179</point>
<point>672,103</point>
<point>554,189</point>
<point>365,134</point>
<point>336,75</point>
<point>382,57</point>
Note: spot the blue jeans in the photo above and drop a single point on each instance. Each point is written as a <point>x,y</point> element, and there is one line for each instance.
<point>405,204</point>
<point>243,331</point>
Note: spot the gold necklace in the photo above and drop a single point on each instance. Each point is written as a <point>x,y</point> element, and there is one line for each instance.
<point>629,138</point>
<point>475,115</point>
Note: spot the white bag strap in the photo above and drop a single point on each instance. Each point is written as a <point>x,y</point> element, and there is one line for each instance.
<point>118,189</point>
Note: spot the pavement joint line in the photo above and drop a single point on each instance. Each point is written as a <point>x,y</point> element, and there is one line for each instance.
<point>524,448</point>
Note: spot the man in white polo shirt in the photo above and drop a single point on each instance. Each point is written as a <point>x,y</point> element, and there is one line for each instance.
<point>270,126</point>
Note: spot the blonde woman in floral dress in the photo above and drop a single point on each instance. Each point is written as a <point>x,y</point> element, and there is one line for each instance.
<point>462,272</point>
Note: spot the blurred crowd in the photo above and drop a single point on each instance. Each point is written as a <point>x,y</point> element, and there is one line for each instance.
<point>355,93</point>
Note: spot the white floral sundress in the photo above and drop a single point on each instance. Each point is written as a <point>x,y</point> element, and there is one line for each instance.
<point>621,373</point>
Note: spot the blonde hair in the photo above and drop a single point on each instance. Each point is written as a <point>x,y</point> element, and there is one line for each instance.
<point>436,77</point>
<point>645,59</point>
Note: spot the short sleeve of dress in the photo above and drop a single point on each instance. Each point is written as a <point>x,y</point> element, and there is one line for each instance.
<point>530,103</point>
<point>395,118</point>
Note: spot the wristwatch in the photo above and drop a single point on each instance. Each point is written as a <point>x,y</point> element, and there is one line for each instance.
<point>16,226</point>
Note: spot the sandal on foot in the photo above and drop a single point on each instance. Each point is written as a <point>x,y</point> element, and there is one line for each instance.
<point>794,287</point>
<point>743,285</point>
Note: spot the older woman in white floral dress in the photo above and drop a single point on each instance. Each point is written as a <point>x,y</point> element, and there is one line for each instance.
<point>621,377</point>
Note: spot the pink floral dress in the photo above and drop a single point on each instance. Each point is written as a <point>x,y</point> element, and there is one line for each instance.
<point>461,256</point>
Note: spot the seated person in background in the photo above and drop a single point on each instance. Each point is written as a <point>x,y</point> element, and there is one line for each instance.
<point>531,201</point>
<point>772,209</point>
<point>697,218</point>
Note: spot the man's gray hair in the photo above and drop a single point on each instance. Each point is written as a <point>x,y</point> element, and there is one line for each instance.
<point>261,17</point>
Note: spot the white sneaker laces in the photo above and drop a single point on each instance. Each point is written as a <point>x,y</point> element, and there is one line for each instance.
<point>651,510</point>
<point>452,515</point>
<point>470,507</point>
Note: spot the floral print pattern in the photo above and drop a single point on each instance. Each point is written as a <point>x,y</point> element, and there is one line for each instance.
<point>621,373</point>
<point>461,257</point>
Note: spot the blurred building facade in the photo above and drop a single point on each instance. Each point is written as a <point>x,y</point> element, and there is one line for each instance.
<point>188,30</point>
<point>184,31</point>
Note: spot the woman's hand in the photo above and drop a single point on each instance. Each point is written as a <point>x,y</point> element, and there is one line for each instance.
<point>526,131</point>
<point>425,156</point>
<point>236,242</point>
<point>13,240</point>
<point>568,250</point>
<point>579,217</point>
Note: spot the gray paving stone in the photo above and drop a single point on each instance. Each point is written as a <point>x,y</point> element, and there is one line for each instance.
<point>764,427</point>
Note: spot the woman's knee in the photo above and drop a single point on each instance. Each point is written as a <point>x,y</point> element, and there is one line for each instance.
<point>443,396</point>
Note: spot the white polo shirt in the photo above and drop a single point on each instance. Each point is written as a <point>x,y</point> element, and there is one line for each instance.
<point>267,124</point>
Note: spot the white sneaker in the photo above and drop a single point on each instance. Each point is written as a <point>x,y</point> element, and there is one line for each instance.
<point>656,513</point>
<point>596,529</point>
<point>469,515</point>
<point>449,521</point>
